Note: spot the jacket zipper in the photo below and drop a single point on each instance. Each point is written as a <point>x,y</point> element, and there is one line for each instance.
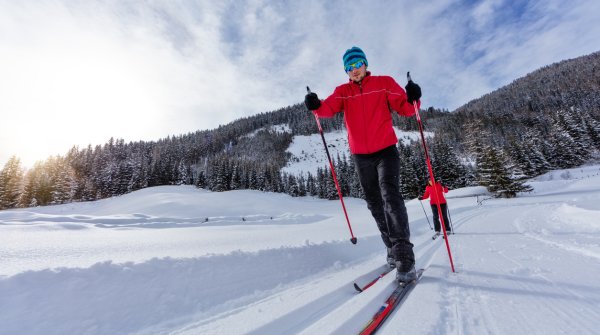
<point>364,116</point>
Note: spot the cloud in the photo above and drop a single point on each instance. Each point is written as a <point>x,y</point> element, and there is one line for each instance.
<point>82,72</point>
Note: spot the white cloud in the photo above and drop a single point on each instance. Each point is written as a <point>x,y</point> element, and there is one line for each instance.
<point>79,73</point>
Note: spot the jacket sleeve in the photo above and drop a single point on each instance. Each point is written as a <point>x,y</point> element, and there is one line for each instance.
<point>397,99</point>
<point>426,194</point>
<point>445,188</point>
<point>332,104</point>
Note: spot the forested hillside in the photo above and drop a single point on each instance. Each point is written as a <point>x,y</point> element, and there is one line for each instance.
<point>546,120</point>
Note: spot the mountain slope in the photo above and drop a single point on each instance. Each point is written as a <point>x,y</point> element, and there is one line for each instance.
<point>569,83</point>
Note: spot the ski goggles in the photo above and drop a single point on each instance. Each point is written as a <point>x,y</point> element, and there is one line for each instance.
<point>355,65</point>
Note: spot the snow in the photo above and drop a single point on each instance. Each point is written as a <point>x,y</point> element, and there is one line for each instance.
<point>280,129</point>
<point>308,154</point>
<point>181,260</point>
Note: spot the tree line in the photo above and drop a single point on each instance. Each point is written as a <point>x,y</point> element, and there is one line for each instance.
<point>116,168</point>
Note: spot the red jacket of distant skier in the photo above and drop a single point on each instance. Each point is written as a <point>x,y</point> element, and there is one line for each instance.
<point>367,111</point>
<point>440,193</point>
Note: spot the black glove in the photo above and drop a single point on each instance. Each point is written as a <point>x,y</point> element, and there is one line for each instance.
<point>312,102</point>
<point>420,198</point>
<point>413,91</point>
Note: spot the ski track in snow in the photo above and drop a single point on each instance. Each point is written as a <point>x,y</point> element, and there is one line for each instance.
<point>537,292</point>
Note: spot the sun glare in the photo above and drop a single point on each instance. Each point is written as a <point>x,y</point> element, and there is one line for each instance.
<point>69,94</point>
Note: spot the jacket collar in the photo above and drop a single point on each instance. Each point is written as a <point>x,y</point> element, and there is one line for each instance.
<point>364,80</point>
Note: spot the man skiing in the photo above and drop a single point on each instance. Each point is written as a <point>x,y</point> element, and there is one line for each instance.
<point>430,192</point>
<point>367,102</point>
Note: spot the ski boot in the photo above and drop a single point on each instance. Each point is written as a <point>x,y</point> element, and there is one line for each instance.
<point>404,276</point>
<point>391,261</point>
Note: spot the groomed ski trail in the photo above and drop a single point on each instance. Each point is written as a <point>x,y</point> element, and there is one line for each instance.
<point>503,278</point>
<point>327,302</point>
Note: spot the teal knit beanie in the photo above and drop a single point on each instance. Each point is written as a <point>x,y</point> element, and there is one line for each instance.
<point>353,55</point>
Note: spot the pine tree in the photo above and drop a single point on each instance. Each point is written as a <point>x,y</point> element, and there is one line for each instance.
<point>356,190</point>
<point>11,183</point>
<point>592,128</point>
<point>327,189</point>
<point>201,180</point>
<point>62,180</point>
<point>293,188</point>
<point>236,178</point>
<point>312,185</point>
<point>139,172</point>
<point>253,181</point>
<point>302,186</point>
<point>520,155</point>
<point>276,178</point>
<point>569,122</point>
<point>27,198</point>
<point>331,189</point>
<point>534,146</point>
<point>446,164</point>
<point>220,180</point>
<point>38,187</point>
<point>565,152</point>
<point>410,186</point>
<point>343,174</point>
<point>499,175</point>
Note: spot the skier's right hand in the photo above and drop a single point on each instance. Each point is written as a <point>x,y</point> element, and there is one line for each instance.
<point>413,92</point>
<point>312,102</point>
<point>420,198</point>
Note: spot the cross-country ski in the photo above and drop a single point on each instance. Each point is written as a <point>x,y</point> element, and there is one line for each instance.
<point>390,304</point>
<point>374,279</point>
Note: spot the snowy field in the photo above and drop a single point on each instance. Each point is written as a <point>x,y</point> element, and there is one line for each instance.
<point>180,260</point>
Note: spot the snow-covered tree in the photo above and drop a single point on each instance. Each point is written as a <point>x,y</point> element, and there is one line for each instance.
<point>499,175</point>
<point>446,164</point>
<point>11,183</point>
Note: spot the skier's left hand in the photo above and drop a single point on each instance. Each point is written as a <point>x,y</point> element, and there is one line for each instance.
<point>413,92</point>
<point>311,101</point>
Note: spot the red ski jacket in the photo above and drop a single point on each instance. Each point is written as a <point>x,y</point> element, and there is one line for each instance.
<point>440,192</point>
<point>367,110</point>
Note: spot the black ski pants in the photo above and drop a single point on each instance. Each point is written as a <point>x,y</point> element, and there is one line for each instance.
<point>379,177</point>
<point>436,217</point>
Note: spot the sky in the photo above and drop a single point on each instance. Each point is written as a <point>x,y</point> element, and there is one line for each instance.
<point>75,73</point>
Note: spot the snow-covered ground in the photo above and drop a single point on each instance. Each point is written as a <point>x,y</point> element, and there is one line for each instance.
<point>180,260</point>
<point>308,154</point>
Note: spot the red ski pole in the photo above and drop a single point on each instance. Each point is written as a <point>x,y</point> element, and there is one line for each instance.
<point>432,178</point>
<point>337,185</point>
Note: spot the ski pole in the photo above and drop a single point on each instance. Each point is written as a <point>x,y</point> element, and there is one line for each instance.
<point>432,177</point>
<point>427,217</point>
<point>337,185</point>
<point>450,219</point>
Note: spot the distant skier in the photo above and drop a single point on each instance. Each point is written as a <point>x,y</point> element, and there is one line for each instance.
<point>429,193</point>
<point>367,102</point>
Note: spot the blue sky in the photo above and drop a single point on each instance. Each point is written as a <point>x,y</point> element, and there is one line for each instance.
<point>80,72</point>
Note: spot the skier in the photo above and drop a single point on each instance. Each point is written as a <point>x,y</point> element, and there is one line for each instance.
<point>367,102</point>
<point>430,193</point>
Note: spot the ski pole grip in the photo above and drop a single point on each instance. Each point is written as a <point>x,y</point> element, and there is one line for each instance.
<point>308,89</point>
<point>407,76</point>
